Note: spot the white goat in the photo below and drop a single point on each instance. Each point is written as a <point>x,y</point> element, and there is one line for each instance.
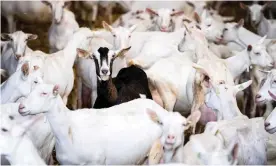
<point>61,63</point>
<point>255,54</point>
<point>206,149</point>
<point>258,20</point>
<point>60,32</point>
<point>75,129</point>
<point>172,139</point>
<point>20,83</point>
<point>267,91</point>
<point>249,133</point>
<point>15,143</point>
<point>164,19</point>
<point>30,11</point>
<point>15,49</point>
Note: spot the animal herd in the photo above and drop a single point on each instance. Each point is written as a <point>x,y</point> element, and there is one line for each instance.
<point>166,83</point>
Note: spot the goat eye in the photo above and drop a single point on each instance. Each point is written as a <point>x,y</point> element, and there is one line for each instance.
<point>4,130</point>
<point>129,36</point>
<point>43,93</point>
<point>209,25</point>
<point>35,82</point>
<point>11,117</point>
<point>274,81</point>
<point>160,122</point>
<point>225,29</point>
<point>114,35</point>
<point>257,53</point>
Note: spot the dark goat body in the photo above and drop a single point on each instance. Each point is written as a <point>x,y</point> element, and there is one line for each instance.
<point>129,83</point>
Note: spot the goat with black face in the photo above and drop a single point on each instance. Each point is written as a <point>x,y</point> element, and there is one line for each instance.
<point>130,83</point>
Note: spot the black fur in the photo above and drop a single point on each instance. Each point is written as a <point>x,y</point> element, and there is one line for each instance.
<point>129,83</point>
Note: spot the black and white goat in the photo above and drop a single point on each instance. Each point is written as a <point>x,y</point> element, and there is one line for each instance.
<point>130,83</point>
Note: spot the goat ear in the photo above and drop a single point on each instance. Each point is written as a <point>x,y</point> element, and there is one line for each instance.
<point>193,119</point>
<point>204,76</point>
<point>204,14</point>
<point>156,153</point>
<point>122,52</point>
<point>179,13</point>
<point>5,36</point>
<point>67,4</point>
<point>242,86</point>
<point>265,6</point>
<point>132,28</point>
<point>153,116</point>
<point>152,12</point>
<point>233,150</point>
<point>261,41</point>
<point>108,27</point>
<point>83,53</point>
<point>25,69</point>
<point>55,90</point>
<point>243,6</point>
<point>272,95</point>
<point>197,17</point>
<point>46,3</point>
<point>31,36</point>
<point>240,23</point>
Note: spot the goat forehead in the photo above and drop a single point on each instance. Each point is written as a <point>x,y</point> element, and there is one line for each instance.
<point>255,8</point>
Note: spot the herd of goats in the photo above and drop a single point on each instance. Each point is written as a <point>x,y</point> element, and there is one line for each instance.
<point>169,82</point>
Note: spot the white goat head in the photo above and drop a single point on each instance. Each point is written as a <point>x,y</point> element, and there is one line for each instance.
<point>41,99</point>
<point>213,29</point>
<point>164,18</point>
<point>230,32</point>
<point>13,138</point>
<point>57,9</point>
<point>103,59</point>
<point>18,41</point>
<point>268,87</point>
<point>121,35</point>
<point>258,54</point>
<point>173,126</point>
<point>256,12</point>
<point>270,122</point>
<point>21,82</point>
<point>209,150</point>
<point>216,101</point>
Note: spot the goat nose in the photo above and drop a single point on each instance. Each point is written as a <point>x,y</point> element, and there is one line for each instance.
<point>104,71</point>
<point>21,107</point>
<point>18,56</point>
<point>171,136</point>
<point>258,96</point>
<point>267,124</point>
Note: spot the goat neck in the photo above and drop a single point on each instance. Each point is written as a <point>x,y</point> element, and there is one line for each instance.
<point>239,63</point>
<point>108,90</point>
<point>60,124</point>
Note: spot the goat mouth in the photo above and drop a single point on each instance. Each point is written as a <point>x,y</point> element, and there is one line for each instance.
<point>260,102</point>
<point>270,130</point>
<point>23,113</point>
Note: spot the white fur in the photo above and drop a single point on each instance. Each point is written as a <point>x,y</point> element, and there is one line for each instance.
<point>29,11</point>
<point>57,68</point>
<point>28,140</point>
<point>120,127</point>
<point>60,33</point>
<point>14,49</point>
